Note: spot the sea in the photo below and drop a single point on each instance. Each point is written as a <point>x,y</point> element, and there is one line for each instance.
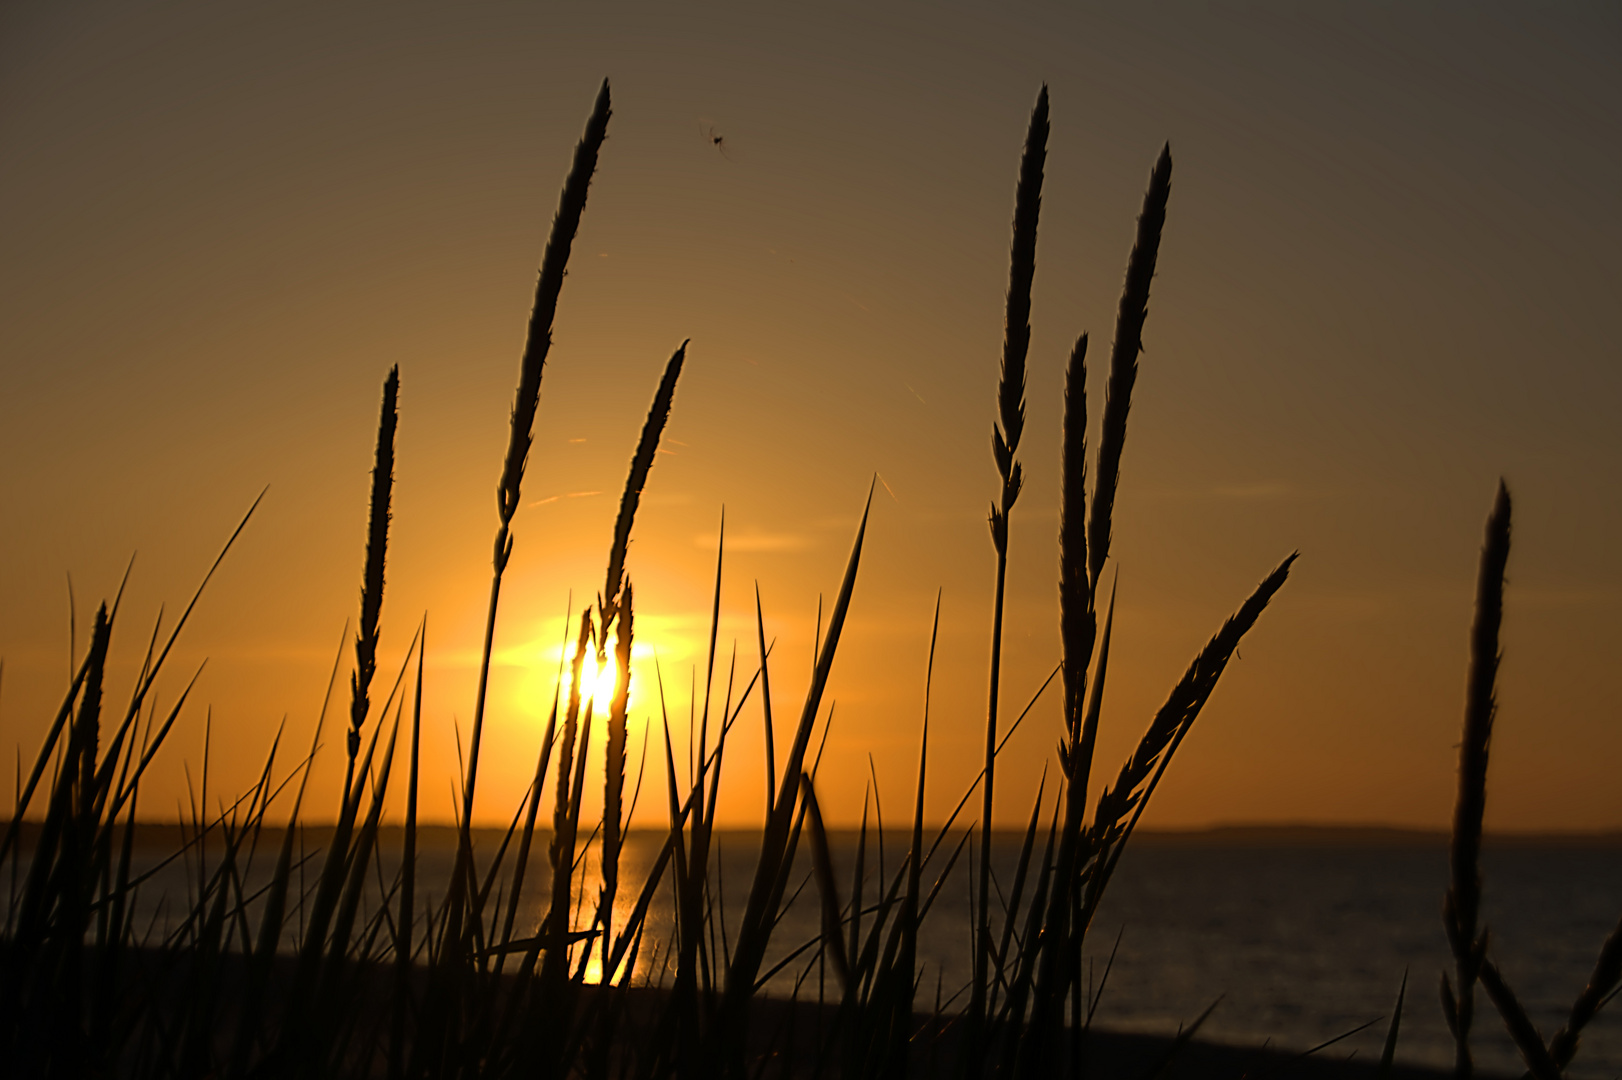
<point>1298,936</point>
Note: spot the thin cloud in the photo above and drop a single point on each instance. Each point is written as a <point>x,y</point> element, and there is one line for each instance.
<point>756,541</point>
<point>570,495</point>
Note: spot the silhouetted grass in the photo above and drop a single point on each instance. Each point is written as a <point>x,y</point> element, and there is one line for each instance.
<point>1005,436</point>
<point>1462,905</point>
<point>331,967</point>
<point>371,595</point>
<point>1464,888</point>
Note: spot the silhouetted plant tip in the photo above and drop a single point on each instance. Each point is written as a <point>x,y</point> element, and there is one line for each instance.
<point>641,464</point>
<point>1123,371</point>
<point>1021,275</point>
<point>1185,1035</point>
<point>1077,623</point>
<point>1463,903</point>
<point>1388,1053</point>
<point>554,265</point>
<point>371,593</point>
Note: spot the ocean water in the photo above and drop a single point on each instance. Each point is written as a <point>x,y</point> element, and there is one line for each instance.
<point>1301,942</point>
<point>1306,943</point>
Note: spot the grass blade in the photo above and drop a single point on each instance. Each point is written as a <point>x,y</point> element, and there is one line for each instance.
<point>1388,1055</point>
<point>833,942</point>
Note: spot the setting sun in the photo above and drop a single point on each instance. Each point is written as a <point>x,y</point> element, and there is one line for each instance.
<point>544,676</point>
<point>597,682</point>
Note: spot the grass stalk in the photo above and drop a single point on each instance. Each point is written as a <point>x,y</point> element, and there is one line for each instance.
<point>1462,907</point>
<point>1077,621</point>
<point>437,1036</point>
<point>1123,373</point>
<point>1005,436</point>
<point>647,448</point>
<point>526,400</point>
<point>406,922</point>
<point>614,772</point>
<point>371,593</point>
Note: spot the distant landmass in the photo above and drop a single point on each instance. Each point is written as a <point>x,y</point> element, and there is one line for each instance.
<point>1386,836</point>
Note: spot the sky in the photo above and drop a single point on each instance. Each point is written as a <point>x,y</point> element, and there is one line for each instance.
<point>1389,277</point>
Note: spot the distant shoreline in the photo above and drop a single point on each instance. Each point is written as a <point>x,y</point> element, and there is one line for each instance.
<point>1360,836</point>
<point>167,834</point>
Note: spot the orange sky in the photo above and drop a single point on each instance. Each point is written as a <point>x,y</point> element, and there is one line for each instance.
<point>1389,276</point>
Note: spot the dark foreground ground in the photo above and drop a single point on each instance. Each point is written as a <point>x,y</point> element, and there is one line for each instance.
<point>1110,1055</point>
<point>791,1040</point>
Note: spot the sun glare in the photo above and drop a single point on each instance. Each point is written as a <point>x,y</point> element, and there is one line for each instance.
<point>538,688</point>
<point>597,682</point>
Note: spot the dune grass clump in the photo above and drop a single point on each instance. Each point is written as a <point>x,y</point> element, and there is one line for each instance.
<point>328,965</point>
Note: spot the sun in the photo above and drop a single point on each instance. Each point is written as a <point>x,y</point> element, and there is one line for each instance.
<point>540,686</point>
<point>597,682</point>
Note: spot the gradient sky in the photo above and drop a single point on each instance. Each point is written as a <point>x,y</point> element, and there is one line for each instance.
<point>1390,275</point>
